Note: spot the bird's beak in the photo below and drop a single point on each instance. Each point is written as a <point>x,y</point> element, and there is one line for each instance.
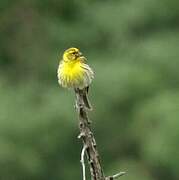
<point>80,54</point>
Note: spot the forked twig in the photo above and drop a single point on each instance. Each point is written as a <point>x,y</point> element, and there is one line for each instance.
<point>89,144</point>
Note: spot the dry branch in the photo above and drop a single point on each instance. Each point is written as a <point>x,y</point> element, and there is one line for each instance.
<point>89,143</point>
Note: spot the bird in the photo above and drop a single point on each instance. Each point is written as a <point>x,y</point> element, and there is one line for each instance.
<point>74,73</point>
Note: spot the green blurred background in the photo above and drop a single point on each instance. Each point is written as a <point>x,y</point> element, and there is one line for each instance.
<point>133,47</point>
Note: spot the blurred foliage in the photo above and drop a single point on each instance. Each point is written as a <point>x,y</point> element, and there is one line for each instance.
<point>133,49</point>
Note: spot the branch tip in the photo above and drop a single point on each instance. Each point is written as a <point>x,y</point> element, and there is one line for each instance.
<point>115,176</point>
<point>81,135</point>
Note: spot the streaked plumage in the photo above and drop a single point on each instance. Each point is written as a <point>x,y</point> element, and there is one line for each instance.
<point>73,72</point>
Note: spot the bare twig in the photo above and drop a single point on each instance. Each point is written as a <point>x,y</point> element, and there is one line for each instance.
<point>89,143</point>
<point>88,139</point>
<point>83,162</point>
<point>115,176</point>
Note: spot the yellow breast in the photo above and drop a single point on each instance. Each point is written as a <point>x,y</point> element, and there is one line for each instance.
<point>74,74</point>
<point>72,69</point>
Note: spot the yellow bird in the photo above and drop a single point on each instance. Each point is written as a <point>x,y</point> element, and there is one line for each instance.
<point>74,73</point>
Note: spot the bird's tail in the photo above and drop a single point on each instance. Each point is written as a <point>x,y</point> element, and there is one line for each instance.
<point>84,95</point>
<point>86,100</point>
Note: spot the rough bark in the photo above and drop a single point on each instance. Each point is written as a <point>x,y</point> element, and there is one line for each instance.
<point>89,143</point>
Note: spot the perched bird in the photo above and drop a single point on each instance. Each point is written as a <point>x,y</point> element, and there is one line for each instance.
<point>74,73</point>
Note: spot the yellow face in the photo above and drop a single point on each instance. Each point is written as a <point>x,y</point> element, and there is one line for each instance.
<point>71,54</point>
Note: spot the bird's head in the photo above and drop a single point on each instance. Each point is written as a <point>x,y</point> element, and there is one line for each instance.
<point>71,54</point>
